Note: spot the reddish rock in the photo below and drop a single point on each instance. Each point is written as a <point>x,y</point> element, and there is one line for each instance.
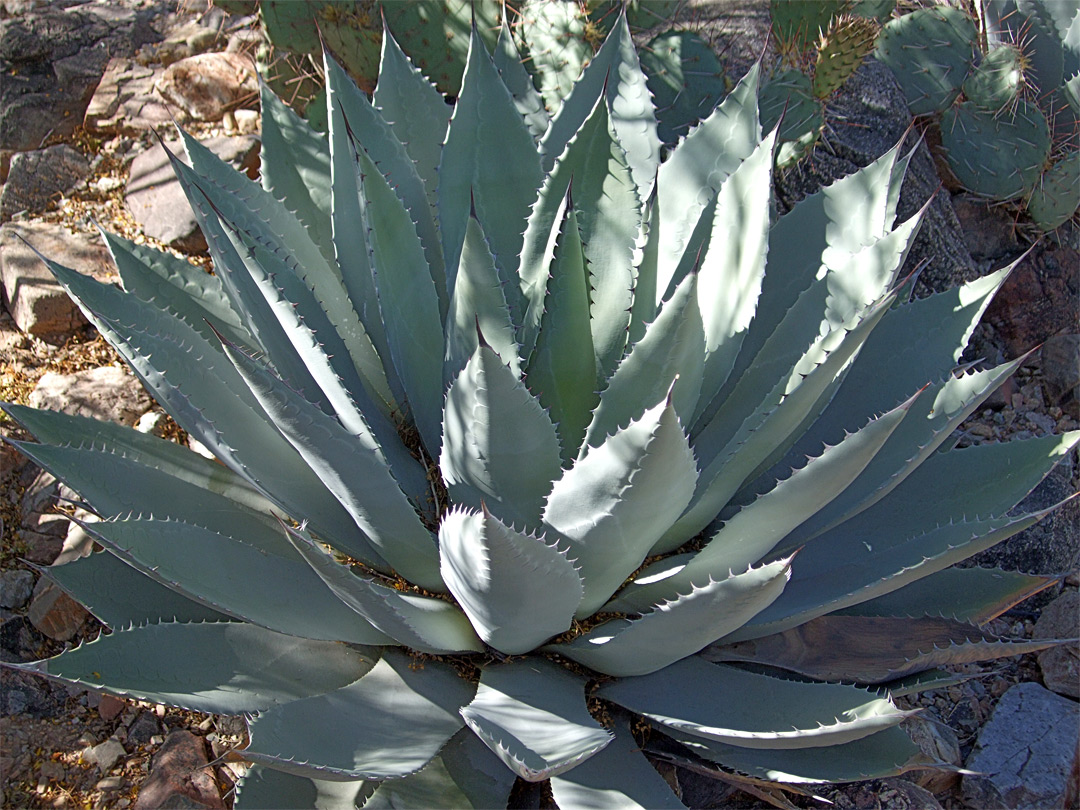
<point>110,707</point>
<point>1061,665</point>
<point>126,100</point>
<point>180,776</point>
<point>34,298</point>
<point>55,613</point>
<point>206,85</point>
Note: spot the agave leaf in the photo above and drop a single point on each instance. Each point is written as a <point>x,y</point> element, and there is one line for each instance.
<point>207,398</point>
<point>926,681</point>
<point>421,622</point>
<point>264,788</point>
<point>353,470</point>
<point>275,228</point>
<point>562,368</point>
<point>478,308</point>
<point>679,627</point>
<point>671,355</point>
<point>872,649</point>
<point>974,595</point>
<point>121,596</point>
<point>190,293</point>
<point>619,777</point>
<point>733,265</point>
<point>357,731</point>
<point>517,590</point>
<point>501,448</point>
<point>216,667</point>
<point>415,110</point>
<point>723,704</point>
<point>57,428</point>
<point>408,300</point>
<point>693,173</point>
<point>769,427</point>
<point>645,306</point>
<point>617,499</point>
<point>295,167</point>
<point>275,592</point>
<point>464,775</point>
<point>519,82</point>
<point>532,715</point>
<point>887,753</point>
<point>486,123</point>
<point>613,75</point>
<point>883,562</point>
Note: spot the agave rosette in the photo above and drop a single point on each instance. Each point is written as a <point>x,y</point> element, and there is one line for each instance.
<point>513,420</point>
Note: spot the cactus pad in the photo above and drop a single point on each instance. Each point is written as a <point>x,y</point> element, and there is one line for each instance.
<point>685,78</point>
<point>997,80</point>
<point>789,95</point>
<point>797,24</point>
<point>930,51</point>
<point>555,36</point>
<point>1055,197</point>
<point>998,156</point>
<point>847,43</point>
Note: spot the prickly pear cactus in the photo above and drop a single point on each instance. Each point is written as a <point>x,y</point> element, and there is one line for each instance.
<point>1056,194</point>
<point>997,80</point>
<point>686,81</point>
<point>843,47</point>
<point>788,99</point>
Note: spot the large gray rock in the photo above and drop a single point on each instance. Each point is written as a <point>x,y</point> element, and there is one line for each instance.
<point>1026,753</point>
<point>126,101</point>
<point>36,301</point>
<point>109,393</point>
<point>157,201</point>
<point>37,178</point>
<point>1061,665</point>
<point>51,58</point>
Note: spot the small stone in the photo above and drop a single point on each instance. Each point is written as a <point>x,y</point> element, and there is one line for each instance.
<point>16,588</point>
<point>1026,753</point>
<point>248,122</point>
<point>144,729</point>
<point>108,393</point>
<point>109,783</point>
<point>206,85</point>
<point>941,744</point>
<point>53,771</point>
<point>104,755</point>
<point>36,178</point>
<point>152,422</point>
<point>1061,665</point>
<point>55,613</point>
<point>180,776</point>
<point>110,707</point>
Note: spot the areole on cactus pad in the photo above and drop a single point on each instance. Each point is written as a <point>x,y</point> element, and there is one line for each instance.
<point>513,419</point>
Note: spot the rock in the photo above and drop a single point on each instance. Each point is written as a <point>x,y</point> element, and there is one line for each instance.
<point>37,178</point>
<point>29,695</point>
<point>179,776</point>
<point>206,85</point>
<point>874,117</point>
<point>1030,308</point>
<point>16,588</point>
<point>881,794</point>
<point>989,231</point>
<point>1025,754</point>
<point>110,707</point>
<point>51,59</point>
<point>126,100</point>
<point>144,729</point>
<point>55,613</point>
<point>1061,665</point>
<point>1061,373</point>
<point>41,549</point>
<point>104,755</point>
<point>108,392</point>
<point>35,299</point>
<point>939,742</point>
<point>188,40</point>
<point>157,202</point>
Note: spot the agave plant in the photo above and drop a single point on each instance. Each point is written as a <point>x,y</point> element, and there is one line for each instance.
<point>513,423</point>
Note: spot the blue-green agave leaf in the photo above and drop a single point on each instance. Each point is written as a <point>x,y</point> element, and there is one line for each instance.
<point>486,124</point>
<point>274,591</point>
<point>517,590</point>
<point>263,788</point>
<point>353,470</point>
<point>679,627</point>
<point>357,731</point>
<point>423,623</point>
<point>862,206</point>
<point>519,82</point>
<point>532,715</point>
<point>500,446</point>
<point>619,777</point>
<point>746,709</point>
<point>218,667</point>
<point>617,500</point>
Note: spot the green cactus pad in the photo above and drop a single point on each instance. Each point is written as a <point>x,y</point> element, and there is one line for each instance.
<point>997,80</point>
<point>640,14</point>
<point>789,95</point>
<point>1055,197</point>
<point>930,51</point>
<point>685,78</point>
<point>879,10</point>
<point>798,24</point>
<point>848,42</point>
<point>998,156</point>
<point>554,34</point>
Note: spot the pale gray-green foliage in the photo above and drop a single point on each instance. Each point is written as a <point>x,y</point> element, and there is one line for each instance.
<point>541,399</point>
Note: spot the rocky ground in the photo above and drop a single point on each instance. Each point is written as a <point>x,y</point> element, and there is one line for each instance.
<point>85,83</point>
